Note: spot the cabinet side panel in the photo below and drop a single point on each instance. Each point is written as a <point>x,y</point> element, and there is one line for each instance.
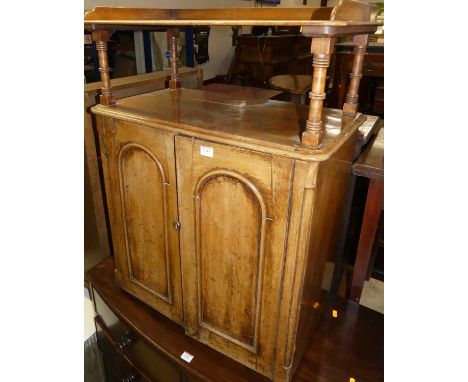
<point>105,128</point>
<point>97,244</point>
<point>331,189</point>
<point>301,208</point>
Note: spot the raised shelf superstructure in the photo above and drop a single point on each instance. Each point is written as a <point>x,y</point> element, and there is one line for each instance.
<point>349,17</point>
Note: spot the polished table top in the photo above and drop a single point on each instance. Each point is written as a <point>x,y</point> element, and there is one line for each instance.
<point>370,163</point>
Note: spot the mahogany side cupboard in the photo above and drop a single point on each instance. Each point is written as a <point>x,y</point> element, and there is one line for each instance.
<point>223,211</point>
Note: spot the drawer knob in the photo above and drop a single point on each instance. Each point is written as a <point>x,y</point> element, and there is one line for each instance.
<point>125,342</point>
<point>130,377</point>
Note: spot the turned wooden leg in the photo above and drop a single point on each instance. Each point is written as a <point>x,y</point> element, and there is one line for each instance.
<point>321,48</point>
<point>370,223</point>
<point>173,37</point>
<point>360,45</point>
<point>101,38</point>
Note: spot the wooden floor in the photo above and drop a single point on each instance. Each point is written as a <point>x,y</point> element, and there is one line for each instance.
<point>347,346</point>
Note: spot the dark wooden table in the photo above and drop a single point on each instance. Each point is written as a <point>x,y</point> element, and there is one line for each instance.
<point>258,58</point>
<point>348,346</point>
<point>243,92</point>
<point>370,165</point>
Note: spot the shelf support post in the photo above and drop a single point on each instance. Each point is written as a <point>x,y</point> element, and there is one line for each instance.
<point>321,48</point>
<point>360,46</point>
<point>101,38</point>
<point>173,36</point>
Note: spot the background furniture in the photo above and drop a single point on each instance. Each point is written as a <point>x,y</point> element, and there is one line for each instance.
<point>371,90</point>
<point>97,245</point>
<point>242,92</point>
<point>346,245</point>
<point>136,340</point>
<point>296,86</point>
<point>370,165</point>
<point>131,52</point>
<point>258,58</point>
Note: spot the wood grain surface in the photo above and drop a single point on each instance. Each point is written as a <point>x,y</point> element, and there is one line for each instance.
<point>356,11</point>
<point>140,184</point>
<point>233,250</point>
<point>371,162</point>
<point>242,92</point>
<point>248,123</point>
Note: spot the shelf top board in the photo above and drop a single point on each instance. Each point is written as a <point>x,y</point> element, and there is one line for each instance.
<point>265,125</point>
<point>304,16</point>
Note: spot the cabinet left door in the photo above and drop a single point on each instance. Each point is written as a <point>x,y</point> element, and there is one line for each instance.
<point>139,172</point>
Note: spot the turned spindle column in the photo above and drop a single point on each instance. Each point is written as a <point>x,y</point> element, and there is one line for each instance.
<point>173,37</point>
<point>321,48</point>
<point>101,38</point>
<point>360,46</point>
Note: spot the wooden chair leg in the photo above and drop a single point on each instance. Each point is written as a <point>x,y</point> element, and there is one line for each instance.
<point>370,223</point>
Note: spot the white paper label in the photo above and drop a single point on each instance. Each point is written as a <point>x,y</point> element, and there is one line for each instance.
<point>206,151</point>
<point>186,356</point>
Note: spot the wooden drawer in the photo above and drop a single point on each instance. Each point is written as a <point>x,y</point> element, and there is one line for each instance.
<point>117,368</point>
<point>137,356</point>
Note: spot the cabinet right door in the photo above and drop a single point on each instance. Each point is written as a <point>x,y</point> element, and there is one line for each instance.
<point>233,209</point>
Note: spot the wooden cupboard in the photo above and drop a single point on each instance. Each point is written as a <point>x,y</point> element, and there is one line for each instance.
<point>223,227</point>
<point>224,210</point>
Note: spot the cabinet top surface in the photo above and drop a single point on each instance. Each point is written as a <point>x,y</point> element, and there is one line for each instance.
<point>263,125</point>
